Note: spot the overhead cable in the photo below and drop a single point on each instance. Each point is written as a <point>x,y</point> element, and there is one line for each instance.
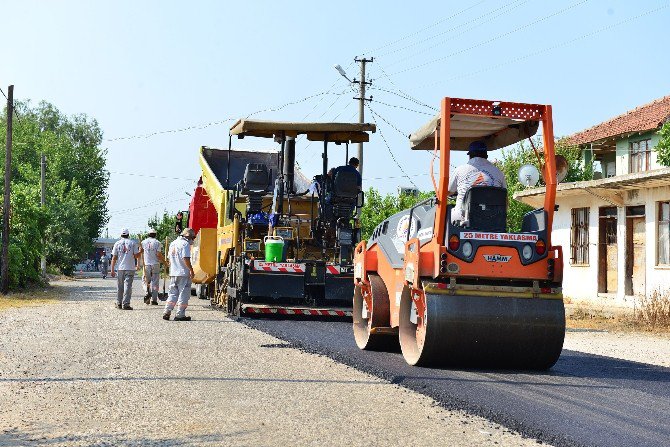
<point>547,49</point>
<point>474,24</point>
<point>410,35</point>
<point>486,42</point>
<point>395,160</point>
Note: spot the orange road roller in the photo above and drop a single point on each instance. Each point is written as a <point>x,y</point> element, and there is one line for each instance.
<point>465,291</point>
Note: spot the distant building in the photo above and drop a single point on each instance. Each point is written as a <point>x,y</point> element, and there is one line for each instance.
<point>615,229</point>
<point>408,191</point>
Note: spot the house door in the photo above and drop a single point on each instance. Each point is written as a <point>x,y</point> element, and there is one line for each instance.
<point>607,251</point>
<point>635,251</point>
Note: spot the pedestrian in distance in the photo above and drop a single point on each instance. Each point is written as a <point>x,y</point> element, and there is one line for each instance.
<point>104,264</point>
<point>181,275</point>
<point>152,251</point>
<point>125,253</point>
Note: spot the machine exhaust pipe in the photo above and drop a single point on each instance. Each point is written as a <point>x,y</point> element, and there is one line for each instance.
<point>289,165</point>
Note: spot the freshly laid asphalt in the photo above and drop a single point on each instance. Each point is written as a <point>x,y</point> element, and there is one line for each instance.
<point>584,400</point>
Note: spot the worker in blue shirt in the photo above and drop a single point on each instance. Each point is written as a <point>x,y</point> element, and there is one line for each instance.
<point>351,167</point>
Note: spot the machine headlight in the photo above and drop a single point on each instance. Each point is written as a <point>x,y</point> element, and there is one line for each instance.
<point>467,249</point>
<point>527,252</point>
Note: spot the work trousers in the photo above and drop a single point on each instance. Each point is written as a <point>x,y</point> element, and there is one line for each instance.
<point>152,274</point>
<point>124,286</point>
<point>178,294</point>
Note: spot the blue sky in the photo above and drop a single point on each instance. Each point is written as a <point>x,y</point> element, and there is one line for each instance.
<point>141,67</point>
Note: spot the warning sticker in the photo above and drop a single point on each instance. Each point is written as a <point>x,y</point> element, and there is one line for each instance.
<point>507,237</point>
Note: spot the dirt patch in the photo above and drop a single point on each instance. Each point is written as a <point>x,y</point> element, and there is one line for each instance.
<point>643,319</point>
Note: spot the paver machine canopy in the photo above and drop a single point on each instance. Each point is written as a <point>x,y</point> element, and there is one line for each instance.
<point>466,291</point>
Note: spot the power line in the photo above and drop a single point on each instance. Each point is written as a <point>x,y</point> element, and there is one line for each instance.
<point>135,174</point>
<point>403,96</point>
<point>550,48</point>
<point>402,107</point>
<point>476,23</point>
<point>215,123</point>
<point>381,134</point>
<point>407,36</point>
<point>497,37</point>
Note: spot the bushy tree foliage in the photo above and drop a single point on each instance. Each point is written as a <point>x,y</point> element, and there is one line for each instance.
<point>164,225</point>
<point>76,184</point>
<point>378,207</point>
<point>522,153</point>
<point>663,146</point>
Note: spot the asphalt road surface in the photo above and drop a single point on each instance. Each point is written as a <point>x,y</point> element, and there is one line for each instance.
<point>584,400</point>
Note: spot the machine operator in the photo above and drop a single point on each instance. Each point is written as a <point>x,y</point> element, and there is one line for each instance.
<point>477,172</point>
<point>351,167</point>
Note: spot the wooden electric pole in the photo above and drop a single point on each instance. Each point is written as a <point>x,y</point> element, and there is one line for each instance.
<point>4,256</point>
<point>361,105</point>
<point>43,170</point>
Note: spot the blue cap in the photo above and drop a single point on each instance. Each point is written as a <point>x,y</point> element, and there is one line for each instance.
<point>477,146</point>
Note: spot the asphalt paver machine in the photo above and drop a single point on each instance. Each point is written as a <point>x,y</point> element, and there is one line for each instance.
<point>283,244</point>
<point>466,293</point>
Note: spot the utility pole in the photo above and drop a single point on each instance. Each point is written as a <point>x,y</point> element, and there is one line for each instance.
<point>361,104</point>
<point>43,170</point>
<point>4,255</point>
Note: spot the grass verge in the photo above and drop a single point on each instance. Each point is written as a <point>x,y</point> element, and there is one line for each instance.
<point>31,297</point>
<point>650,314</point>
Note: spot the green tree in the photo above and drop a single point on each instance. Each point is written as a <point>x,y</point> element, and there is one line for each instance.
<point>521,154</point>
<point>164,225</point>
<point>76,184</point>
<point>379,207</point>
<point>663,146</point>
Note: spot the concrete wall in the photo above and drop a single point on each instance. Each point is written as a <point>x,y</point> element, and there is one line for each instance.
<point>581,281</point>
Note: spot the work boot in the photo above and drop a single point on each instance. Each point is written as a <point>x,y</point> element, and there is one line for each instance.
<point>166,316</point>
<point>184,318</point>
<point>154,302</point>
<point>127,307</point>
<point>118,305</point>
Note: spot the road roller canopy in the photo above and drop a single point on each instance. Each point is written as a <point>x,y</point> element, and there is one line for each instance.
<point>496,131</point>
<point>332,132</point>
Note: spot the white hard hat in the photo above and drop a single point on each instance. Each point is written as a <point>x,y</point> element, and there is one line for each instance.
<point>151,231</point>
<point>125,232</point>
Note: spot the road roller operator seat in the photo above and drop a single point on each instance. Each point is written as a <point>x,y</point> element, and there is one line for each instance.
<point>255,185</point>
<point>344,194</point>
<point>485,209</point>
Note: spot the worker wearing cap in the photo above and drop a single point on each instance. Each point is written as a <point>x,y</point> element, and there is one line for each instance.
<point>477,172</point>
<point>152,251</point>
<point>125,252</point>
<point>181,275</point>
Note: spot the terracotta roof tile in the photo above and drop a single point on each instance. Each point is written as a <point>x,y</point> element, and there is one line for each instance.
<point>643,118</point>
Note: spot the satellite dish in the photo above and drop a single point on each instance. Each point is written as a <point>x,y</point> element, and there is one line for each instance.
<point>562,168</point>
<point>528,175</point>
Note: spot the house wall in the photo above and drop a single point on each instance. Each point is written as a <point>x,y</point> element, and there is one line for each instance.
<point>623,146</point>
<point>581,281</point>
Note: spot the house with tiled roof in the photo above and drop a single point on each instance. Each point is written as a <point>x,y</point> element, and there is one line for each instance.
<point>615,229</point>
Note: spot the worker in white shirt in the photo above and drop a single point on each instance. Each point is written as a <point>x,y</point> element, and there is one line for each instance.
<point>477,172</point>
<point>152,251</point>
<point>181,275</point>
<point>125,252</point>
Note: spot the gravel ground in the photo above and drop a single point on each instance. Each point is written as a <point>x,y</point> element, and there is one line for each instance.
<point>636,347</point>
<point>81,372</point>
